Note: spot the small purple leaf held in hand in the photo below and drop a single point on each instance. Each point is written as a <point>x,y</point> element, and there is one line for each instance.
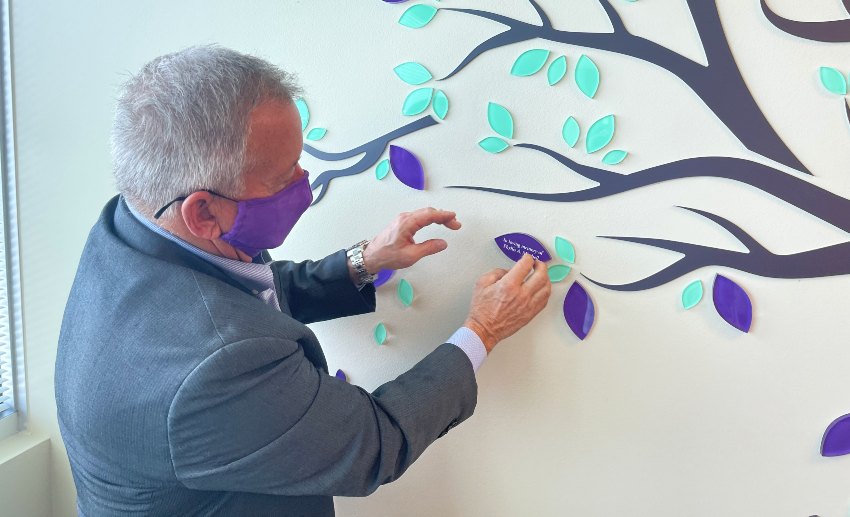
<point>341,375</point>
<point>384,276</point>
<point>836,439</point>
<point>515,245</point>
<point>407,168</point>
<point>732,303</point>
<point>395,1</point>
<point>579,311</point>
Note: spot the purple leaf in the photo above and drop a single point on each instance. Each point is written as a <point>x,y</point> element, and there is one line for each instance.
<point>732,303</point>
<point>395,1</point>
<point>515,245</point>
<point>341,375</point>
<point>384,276</point>
<point>407,168</point>
<point>836,439</point>
<point>579,310</point>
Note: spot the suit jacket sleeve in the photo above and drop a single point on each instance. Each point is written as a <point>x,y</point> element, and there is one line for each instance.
<point>321,290</point>
<point>256,416</point>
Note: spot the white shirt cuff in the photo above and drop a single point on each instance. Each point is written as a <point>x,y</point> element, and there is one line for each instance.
<point>472,346</point>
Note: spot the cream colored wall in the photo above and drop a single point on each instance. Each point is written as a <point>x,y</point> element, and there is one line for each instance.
<point>658,412</point>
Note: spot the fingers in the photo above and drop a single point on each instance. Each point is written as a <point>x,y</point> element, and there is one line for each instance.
<point>539,278</point>
<point>429,247</point>
<point>491,277</point>
<point>426,216</point>
<point>520,270</point>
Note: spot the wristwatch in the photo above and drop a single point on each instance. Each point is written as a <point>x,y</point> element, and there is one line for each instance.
<point>355,256</point>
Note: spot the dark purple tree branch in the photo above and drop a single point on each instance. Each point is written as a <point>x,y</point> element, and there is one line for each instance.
<point>827,261</point>
<point>819,202</point>
<point>720,84</point>
<point>834,31</point>
<point>371,151</point>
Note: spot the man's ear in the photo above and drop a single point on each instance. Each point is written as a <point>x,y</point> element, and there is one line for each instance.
<point>204,216</point>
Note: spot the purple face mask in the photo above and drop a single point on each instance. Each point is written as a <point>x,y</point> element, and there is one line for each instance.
<point>265,222</point>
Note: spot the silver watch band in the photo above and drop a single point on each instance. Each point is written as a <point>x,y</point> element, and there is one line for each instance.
<point>355,256</point>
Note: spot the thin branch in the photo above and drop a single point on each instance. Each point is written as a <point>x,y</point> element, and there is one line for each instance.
<point>736,231</point>
<point>371,152</point>
<point>613,16</point>
<point>819,202</point>
<point>834,31</point>
<point>591,173</point>
<point>502,39</point>
<point>544,19</point>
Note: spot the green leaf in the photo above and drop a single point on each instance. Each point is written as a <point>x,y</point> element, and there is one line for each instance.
<point>441,105</point>
<point>529,62</point>
<point>405,292</point>
<point>558,272</point>
<point>317,133</point>
<point>413,73</point>
<point>833,80</point>
<point>565,250</point>
<point>692,294</point>
<point>417,101</point>
<point>304,112</point>
<point>381,334</point>
<point>500,120</point>
<point>587,76</point>
<point>614,157</point>
<point>600,134</point>
<point>494,145</point>
<point>417,16</point>
<point>571,132</point>
<point>557,70</point>
<point>382,169</point>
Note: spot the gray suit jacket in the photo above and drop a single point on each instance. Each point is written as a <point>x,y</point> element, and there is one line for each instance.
<point>180,393</point>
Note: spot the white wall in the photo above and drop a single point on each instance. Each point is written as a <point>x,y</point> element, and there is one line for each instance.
<point>659,411</point>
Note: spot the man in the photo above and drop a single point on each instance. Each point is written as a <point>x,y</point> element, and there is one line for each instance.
<point>186,380</point>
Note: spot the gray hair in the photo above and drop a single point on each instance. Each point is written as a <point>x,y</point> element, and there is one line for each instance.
<point>181,123</point>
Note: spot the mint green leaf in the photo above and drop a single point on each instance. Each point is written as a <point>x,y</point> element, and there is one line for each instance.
<point>500,120</point>
<point>565,250</point>
<point>413,73</point>
<point>571,132</point>
<point>600,134</point>
<point>558,272</point>
<point>692,294</point>
<point>405,292</point>
<point>417,101</point>
<point>529,62</point>
<point>382,169</point>
<point>303,112</point>
<point>381,334</point>
<point>614,157</point>
<point>317,133</point>
<point>417,16</point>
<point>494,145</point>
<point>441,104</point>
<point>557,70</point>
<point>833,80</point>
<point>587,76</point>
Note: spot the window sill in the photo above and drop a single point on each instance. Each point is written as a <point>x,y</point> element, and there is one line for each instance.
<point>18,444</point>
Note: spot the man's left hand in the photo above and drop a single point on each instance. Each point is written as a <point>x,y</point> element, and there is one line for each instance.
<point>394,248</point>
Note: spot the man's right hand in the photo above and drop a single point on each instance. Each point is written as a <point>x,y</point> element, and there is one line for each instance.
<point>505,301</point>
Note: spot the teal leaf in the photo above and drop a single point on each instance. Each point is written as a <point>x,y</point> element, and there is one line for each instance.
<point>833,80</point>
<point>529,62</point>
<point>317,133</point>
<point>417,101</point>
<point>381,334</point>
<point>557,70</point>
<point>494,145</point>
<point>571,132</point>
<point>599,134</point>
<point>614,157</point>
<point>565,250</point>
<point>692,294</point>
<point>441,104</point>
<point>405,292</point>
<point>500,120</point>
<point>587,76</point>
<point>417,16</point>
<point>303,112</point>
<point>558,272</point>
<point>382,169</point>
<point>413,73</point>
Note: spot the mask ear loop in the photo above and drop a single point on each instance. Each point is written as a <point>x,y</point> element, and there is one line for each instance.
<point>183,198</point>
